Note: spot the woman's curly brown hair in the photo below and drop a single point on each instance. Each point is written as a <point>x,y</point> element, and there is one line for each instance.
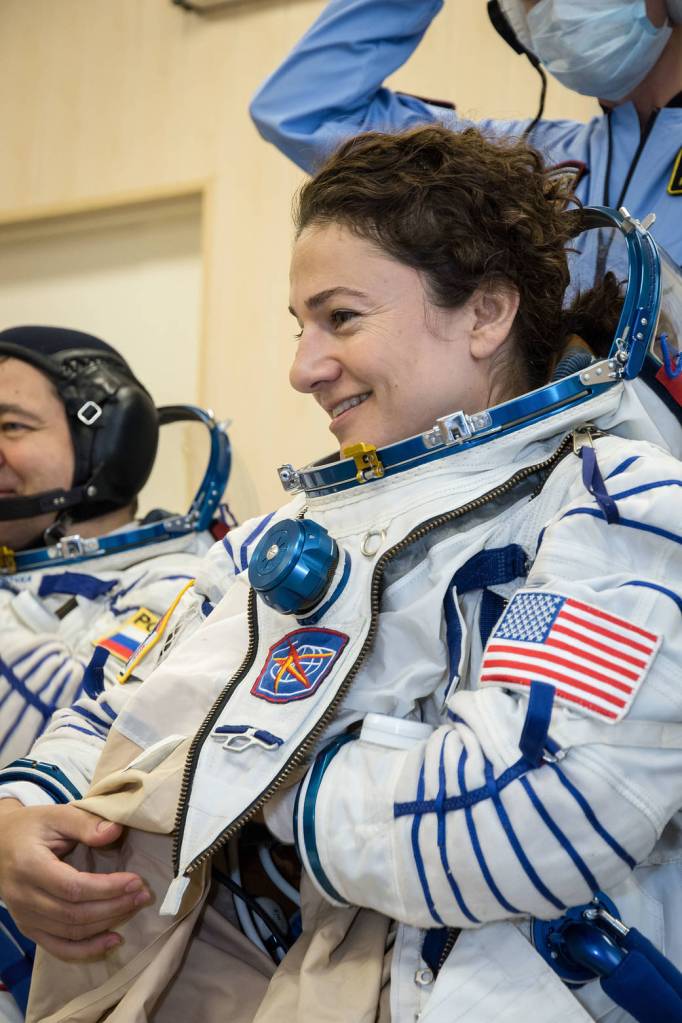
<point>466,211</point>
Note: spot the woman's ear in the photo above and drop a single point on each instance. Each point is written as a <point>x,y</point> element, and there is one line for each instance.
<point>494,309</point>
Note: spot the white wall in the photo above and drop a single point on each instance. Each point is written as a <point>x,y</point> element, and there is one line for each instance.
<point>134,278</point>
<point>106,101</point>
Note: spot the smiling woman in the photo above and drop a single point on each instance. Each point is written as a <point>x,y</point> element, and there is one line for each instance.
<point>428,275</point>
<point>382,361</point>
<point>454,657</point>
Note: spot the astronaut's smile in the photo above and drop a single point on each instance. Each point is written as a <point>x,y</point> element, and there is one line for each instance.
<point>347,404</point>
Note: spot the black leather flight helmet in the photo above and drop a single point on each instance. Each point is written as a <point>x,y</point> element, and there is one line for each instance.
<point>112,418</point>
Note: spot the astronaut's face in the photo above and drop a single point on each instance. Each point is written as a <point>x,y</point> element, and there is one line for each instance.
<point>36,452</point>
<point>381,360</point>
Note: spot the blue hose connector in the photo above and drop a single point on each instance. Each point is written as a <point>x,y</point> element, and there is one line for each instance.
<point>293,564</point>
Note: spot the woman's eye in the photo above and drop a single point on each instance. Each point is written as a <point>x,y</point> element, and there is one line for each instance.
<point>298,335</point>
<point>341,316</point>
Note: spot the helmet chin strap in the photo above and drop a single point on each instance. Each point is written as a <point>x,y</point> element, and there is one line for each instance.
<point>41,504</point>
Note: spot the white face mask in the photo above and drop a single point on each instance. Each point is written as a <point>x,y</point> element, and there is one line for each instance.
<point>600,49</point>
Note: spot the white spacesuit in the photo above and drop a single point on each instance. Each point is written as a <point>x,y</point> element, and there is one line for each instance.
<point>509,617</point>
<point>74,609</point>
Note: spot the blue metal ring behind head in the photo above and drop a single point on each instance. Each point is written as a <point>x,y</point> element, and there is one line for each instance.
<point>635,330</point>
<point>196,519</point>
<point>212,486</point>
<point>642,300</point>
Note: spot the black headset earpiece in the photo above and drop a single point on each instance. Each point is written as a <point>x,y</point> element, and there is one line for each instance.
<point>503,27</point>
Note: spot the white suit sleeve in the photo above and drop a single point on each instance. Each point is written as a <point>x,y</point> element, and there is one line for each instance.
<point>61,763</point>
<point>465,827</point>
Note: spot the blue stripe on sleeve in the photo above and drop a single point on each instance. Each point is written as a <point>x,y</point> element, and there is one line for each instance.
<point>561,838</point>
<point>654,586</point>
<point>416,851</point>
<point>628,523</point>
<point>592,818</point>
<point>456,891</point>
<point>464,799</point>
<point>18,686</point>
<point>476,845</point>
<point>30,700</point>
<point>85,731</point>
<point>25,657</point>
<point>623,466</point>
<point>506,823</point>
<point>228,547</point>
<point>243,555</point>
<point>92,718</point>
<point>108,709</point>
<point>643,488</point>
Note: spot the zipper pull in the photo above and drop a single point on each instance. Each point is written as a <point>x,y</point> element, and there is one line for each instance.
<point>174,896</point>
<point>582,436</point>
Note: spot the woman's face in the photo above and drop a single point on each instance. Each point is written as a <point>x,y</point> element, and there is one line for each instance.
<point>383,361</point>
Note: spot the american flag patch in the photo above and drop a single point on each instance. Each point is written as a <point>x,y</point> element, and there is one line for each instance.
<point>595,660</point>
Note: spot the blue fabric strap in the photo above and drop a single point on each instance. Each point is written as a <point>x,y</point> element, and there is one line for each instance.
<point>492,606</point>
<point>533,741</point>
<point>491,568</point>
<point>93,676</point>
<point>594,484</point>
<point>75,584</point>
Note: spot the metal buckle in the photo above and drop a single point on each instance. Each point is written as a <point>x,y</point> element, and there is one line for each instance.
<point>289,478</point>
<point>73,547</point>
<point>8,563</point>
<point>89,413</point>
<point>456,428</point>
<point>367,461</point>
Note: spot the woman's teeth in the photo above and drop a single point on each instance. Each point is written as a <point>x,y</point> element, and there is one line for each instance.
<point>348,403</point>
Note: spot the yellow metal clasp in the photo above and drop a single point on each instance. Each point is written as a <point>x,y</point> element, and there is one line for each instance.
<point>8,563</point>
<point>367,461</point>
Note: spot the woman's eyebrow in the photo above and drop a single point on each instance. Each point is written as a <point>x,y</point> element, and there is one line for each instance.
<point>321,297</point>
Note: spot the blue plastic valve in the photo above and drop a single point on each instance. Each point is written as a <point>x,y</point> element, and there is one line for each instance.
<point>293,564</point>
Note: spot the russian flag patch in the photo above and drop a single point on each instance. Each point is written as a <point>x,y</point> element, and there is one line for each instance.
<point>124,642</point>
<point>596,661</point>
<point>297,665</point>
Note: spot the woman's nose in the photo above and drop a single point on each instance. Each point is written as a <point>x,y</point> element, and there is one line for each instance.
<point>314,365</point>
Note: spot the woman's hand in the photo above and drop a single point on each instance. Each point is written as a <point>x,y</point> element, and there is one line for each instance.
<point>68,912</point>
